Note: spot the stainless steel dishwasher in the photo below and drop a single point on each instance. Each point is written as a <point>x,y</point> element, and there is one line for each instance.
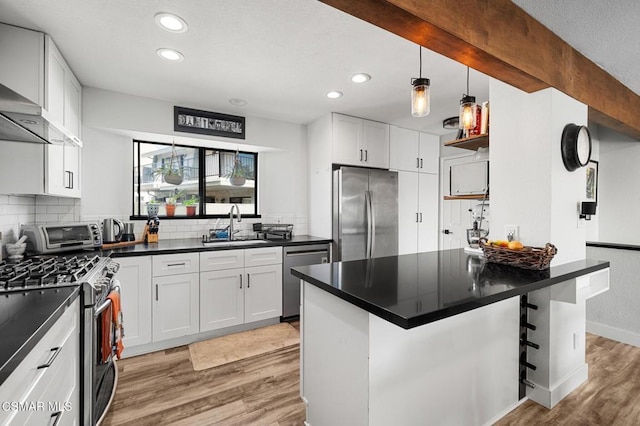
<point>302,255</point>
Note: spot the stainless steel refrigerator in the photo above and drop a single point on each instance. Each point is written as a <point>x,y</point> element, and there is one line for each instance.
<point>365,213</point>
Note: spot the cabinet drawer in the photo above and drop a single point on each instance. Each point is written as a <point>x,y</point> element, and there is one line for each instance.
<point>28,382</point>
<point>173,264</point>
<point>223,259</point>
<point>262,256</point>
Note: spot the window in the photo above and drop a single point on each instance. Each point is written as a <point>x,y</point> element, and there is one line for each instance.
<point>185,181</point>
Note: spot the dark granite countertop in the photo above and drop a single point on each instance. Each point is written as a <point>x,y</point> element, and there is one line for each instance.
<point>25,317</point>
<point>618,246</point>
<point>195,244</point>
<point>416,289</point>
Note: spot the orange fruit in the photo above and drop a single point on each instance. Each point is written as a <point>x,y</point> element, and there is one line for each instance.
<point>515,245</point>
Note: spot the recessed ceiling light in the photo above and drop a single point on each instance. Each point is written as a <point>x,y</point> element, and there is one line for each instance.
<point>334,94</point>
<point>237,102</point>
<point>170,55</point>
<point>360,77</point>
<point>171,22</point>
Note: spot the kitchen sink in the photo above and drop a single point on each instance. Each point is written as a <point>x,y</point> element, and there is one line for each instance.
<point>233,243</point>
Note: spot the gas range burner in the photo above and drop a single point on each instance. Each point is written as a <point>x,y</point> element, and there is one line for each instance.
<point>44,272</point>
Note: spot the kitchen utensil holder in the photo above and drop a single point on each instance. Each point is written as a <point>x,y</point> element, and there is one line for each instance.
<point>537,258</point>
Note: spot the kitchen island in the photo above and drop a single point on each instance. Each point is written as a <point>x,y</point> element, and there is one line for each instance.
<point>434,338</point>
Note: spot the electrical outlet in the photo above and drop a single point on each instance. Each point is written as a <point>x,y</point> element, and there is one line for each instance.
<point>512,230</point>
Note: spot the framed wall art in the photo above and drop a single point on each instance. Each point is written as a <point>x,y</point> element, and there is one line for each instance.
<point>592,181</point>
<point>208,123</point>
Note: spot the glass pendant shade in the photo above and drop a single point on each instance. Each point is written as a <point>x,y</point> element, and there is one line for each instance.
<point>468,112</point>
<point>420,97</point>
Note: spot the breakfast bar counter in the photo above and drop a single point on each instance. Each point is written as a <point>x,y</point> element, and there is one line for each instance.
<point>436,338</point>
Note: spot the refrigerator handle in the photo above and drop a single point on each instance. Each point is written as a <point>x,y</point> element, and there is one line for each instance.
<point>367,200</point>
<point>373,225</point>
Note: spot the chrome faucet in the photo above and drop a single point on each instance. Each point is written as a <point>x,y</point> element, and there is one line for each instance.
<point>231,238</point>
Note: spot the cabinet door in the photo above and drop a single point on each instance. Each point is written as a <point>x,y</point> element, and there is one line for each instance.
<point>71,175</point>
<point>408,213</point>
<point>135,290</point>
<point>175,306</point>
<point>221,299</point>
<point>403,149</point>
<point>347,137</point>
<point>72,103</point>
<point>263,293</point>
<point>375,142</point>
<point>55,81</point>
<point>429,153</point>
<point>55,183</point>
<point>22,64</point>
<point>428,207</point>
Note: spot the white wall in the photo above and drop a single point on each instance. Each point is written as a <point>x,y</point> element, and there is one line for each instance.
<point>111,120</point>
<point>529,185</point>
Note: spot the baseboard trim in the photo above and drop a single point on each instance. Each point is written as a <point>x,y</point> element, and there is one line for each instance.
<point>506,411</point>
<point>550,397</point>
<point>613,333</point>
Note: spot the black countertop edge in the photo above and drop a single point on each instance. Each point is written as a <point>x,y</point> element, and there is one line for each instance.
<point>617,246</point>
<point>12,363</point>
<point>408,323</point>
<point>195,245</point>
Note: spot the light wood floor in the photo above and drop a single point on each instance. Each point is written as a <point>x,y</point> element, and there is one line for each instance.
<point>162,389</point>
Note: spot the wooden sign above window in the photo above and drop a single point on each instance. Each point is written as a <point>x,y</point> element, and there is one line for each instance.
<point>208,123</point>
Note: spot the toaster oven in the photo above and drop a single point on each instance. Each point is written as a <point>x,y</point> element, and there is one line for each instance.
<point>60,237</point>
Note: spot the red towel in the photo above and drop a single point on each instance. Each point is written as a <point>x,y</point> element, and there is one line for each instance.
<point>106,330</point>
<point>116,317</point>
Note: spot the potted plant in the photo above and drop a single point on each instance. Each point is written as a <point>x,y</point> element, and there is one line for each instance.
<point>191,205</point>
<point>171,174</point>
<point>237,177</point>
<point>153,208</point>
<point>171,203</point>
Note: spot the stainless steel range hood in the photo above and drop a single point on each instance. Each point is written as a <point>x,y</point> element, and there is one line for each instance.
<point>24,121</point>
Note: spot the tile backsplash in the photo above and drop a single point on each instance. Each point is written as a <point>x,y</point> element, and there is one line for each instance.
<point>17,209</point>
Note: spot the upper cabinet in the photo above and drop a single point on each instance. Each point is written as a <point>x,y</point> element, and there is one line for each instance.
<point>414,151</point>
<point>360,142</point>
<point>33,67</point>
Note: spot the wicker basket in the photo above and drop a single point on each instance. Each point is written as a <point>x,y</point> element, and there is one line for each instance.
<point>537,258</point>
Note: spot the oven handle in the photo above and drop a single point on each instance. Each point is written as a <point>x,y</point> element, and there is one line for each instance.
<point>102,307</point>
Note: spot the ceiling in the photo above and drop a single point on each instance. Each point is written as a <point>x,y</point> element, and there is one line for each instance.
<point>282,56</point>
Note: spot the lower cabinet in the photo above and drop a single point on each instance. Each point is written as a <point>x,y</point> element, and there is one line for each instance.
<point>221,299</point>
<point>236,296</point>
<point>135,289</point>
<point>175,306</point>
<point>48,379</point>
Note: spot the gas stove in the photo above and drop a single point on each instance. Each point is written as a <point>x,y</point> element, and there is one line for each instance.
<point>43,272</point>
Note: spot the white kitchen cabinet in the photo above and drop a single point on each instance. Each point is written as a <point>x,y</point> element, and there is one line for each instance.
<point>176,282</point>
<point>263,294</point>
<point>49,375</point>
<point>62,170</point>
<point>417,212</point>
<point>22,64</point>
<point>360,142</point>
<point>176,309</point>
<point>413,151</point>
<point>240,286</point>
<point>135,289</point>
<point>221,298</point>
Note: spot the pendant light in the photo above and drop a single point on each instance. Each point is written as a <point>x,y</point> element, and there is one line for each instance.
<point>468,109</point>
<point>420,96</point>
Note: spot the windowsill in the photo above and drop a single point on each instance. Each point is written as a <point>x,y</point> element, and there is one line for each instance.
<point>217,216</point>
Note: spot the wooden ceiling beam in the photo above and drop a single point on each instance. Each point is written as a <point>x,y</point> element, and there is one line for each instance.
<point>499,39</point>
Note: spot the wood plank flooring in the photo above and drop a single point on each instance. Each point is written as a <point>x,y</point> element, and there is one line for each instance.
<point>162,389</point>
